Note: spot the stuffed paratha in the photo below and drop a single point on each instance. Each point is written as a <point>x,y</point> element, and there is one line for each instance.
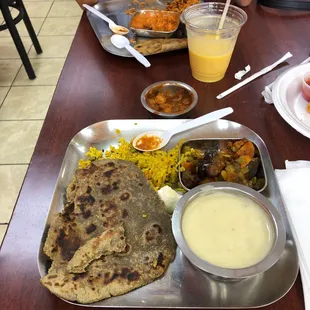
<point>112,236</point>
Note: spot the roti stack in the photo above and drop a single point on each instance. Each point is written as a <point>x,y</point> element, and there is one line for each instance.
<point>113,235</point>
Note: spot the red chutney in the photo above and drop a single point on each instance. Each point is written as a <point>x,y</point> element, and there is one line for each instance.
<point>148,143</point>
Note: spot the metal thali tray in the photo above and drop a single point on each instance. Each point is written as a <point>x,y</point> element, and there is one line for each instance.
<point>183,285</point>
<point>115,9</point>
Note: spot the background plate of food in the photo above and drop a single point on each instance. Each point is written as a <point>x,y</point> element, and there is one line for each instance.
<point>122,13</point>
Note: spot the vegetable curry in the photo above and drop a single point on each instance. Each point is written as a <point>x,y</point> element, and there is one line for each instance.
<point>173,100</point>
<point>235,161</point>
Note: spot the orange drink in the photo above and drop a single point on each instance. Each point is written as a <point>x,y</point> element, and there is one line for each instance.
<point>210,49</point>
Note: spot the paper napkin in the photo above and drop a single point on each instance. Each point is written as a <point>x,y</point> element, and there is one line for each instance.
<point>294,186</point>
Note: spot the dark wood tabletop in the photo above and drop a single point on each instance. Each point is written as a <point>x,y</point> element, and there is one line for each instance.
<point>96,86</point>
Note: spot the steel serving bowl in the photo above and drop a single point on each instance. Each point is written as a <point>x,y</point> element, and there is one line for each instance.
<point>170,86</point>
<point>243,191</point>
<point>153,33</point>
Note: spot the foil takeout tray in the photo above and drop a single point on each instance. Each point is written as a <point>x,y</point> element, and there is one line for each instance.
<point>183,285</point>
<point>116,10</point>
<point>152,33</point>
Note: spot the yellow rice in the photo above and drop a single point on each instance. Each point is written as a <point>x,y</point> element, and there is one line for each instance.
<point>159,167</point>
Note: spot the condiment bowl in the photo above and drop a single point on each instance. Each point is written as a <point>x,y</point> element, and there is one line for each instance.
<point>171,87</point>
<point>242,191</point>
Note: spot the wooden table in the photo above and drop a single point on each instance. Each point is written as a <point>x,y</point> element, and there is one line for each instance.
<point>96,86</point>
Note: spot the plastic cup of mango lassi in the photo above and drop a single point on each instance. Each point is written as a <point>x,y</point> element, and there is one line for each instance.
<point>210,49</point>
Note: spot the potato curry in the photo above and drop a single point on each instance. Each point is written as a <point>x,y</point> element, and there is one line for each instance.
<point>173,100</point>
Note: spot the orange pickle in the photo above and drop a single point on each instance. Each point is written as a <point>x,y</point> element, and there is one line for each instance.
<point>148,143</point>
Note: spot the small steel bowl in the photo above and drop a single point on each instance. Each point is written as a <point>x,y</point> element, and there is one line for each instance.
<point>153,33</point>
<point>243,191</point>
<point>169,86</point>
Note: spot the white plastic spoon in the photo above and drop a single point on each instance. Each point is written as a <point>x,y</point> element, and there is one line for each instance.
<point>163,137</point>
<point>122,42</point>
<point>115,28</point>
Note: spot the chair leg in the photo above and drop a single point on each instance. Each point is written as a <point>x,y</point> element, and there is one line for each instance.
<point>17,40</point>
<point>31,31</point>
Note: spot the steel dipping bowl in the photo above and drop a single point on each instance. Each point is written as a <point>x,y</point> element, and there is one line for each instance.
<point>243,191</point>
<point>171,86</point>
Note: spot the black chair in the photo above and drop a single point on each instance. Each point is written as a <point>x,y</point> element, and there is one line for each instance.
<point>10,24</point>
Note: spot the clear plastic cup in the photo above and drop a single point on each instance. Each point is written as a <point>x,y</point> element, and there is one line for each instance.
<point>210,49</point>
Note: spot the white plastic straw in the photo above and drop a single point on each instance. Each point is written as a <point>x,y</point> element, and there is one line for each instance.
<point>267,92</point>
<point>222,21</point>
<point>302,63</point>
<point>254,76</point>
<point>305,61</point>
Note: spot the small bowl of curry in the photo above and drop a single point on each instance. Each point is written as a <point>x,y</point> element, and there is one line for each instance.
<point>169,98</point>
<point>155,23</point>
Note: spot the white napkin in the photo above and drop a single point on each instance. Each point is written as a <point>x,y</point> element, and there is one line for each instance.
<point>267,92</point>
<point>294,186</point>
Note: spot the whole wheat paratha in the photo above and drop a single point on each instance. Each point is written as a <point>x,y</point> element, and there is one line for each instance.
<point>112,236</point>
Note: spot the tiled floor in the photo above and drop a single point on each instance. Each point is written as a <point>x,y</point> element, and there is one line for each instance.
<point>24,103</point>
